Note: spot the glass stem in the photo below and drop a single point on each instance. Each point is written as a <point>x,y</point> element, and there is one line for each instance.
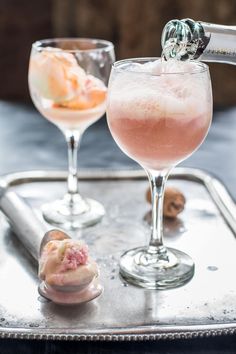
<point>73,139</point>
<point>157,182</point>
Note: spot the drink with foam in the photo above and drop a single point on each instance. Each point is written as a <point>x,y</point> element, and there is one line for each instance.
<point>158,117</point>
<point>158,113</point>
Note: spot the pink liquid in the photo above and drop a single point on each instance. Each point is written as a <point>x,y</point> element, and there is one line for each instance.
<point>156,118</point>
<point>161,142</point>
<point>72,119</point>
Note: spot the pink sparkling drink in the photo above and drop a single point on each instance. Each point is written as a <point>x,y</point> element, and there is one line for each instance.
<point>159,118</point>
<point>158,113</point>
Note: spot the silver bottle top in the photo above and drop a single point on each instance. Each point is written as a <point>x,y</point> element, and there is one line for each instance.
<point>183,39</point>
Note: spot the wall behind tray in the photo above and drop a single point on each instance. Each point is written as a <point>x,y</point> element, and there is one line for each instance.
<point>134,26</point>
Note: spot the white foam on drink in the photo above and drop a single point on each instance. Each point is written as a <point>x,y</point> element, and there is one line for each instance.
<point>161,66</point>
<point>170,91</point>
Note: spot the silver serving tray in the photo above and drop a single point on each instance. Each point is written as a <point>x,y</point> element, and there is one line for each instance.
<point>206,230</point>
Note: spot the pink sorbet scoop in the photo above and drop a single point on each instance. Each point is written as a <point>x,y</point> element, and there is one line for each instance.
<point>68,274</point>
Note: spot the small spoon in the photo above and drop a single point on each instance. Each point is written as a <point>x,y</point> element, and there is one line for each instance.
<point>30,230</point>
<point>67,295</point>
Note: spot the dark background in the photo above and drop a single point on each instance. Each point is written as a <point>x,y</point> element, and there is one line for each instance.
<point>134,26</point>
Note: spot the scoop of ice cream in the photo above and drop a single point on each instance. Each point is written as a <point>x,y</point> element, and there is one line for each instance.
<point>55,75</point>
<point>93,94</point>
<point>66,263</point>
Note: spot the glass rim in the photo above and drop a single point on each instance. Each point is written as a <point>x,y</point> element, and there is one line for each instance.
<point>117,66</point>
<point>37,45</point>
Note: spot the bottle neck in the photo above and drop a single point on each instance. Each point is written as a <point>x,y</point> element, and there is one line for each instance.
<point>188,39</point>
<point>222,43</point>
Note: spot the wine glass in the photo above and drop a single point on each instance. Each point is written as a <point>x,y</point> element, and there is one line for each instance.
<point>67,82</point>
<point>158,113</point>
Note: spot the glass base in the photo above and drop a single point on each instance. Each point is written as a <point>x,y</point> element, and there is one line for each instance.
<point>73,212</point>
<point>168,268</point>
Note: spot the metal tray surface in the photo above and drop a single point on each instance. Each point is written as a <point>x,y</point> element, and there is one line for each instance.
<point>205,230</point>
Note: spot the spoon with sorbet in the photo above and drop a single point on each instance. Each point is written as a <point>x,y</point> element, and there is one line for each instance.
<point>67,273</point>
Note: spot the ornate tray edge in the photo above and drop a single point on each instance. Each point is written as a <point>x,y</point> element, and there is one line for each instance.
<point>142,334</point>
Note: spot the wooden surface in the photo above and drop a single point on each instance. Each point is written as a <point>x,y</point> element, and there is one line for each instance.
<point>134,26</point>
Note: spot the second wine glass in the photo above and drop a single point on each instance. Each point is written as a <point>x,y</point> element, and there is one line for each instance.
<point>67,81</point>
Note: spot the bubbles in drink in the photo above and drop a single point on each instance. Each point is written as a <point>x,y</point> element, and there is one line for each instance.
<point>158,111</point>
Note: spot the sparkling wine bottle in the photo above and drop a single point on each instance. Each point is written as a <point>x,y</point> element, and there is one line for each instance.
<point>187,39</point>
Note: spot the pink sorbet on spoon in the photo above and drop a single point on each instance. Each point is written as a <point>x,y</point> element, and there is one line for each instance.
<point>67,272</point>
